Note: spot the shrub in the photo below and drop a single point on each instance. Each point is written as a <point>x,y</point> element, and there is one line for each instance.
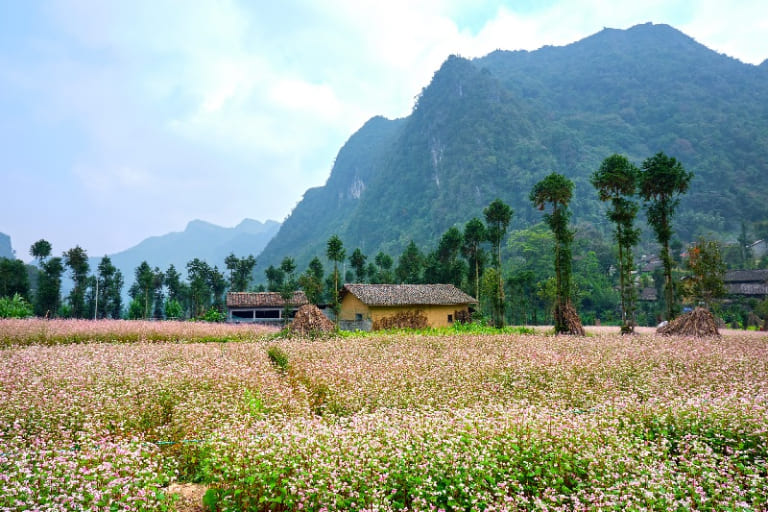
<point>15,307</point>
<point>278,357</point>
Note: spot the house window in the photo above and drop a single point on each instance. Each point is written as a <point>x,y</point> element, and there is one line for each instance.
<point>358,317</point>
<point>450,319</point>
<point>243,314</point>
<point>267,313</point>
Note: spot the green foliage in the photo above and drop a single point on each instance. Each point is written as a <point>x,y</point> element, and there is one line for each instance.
<point>410,265</point>
<point>616,181</point>
<point>15,307</point>
<point>557,191</point>
<point>334,250</point>
<point>109,284</point>
<point>357,261</point>
<point>240,271</point>
<point>474,235</point>
<point>498,215</point>
<point>136,309</point>
<point>278,357</point>
<point>77,261</point>
<point>213,315</point>
<point>173,309</point>
<point>41,250</point>
<point>662,181</point>
<point>707,272</point>
<point>13,278</point>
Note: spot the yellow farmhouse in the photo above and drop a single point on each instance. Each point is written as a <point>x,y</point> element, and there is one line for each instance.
<point>376,306</point>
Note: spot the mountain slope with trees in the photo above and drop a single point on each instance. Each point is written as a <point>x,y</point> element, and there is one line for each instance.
<point>494,126</point>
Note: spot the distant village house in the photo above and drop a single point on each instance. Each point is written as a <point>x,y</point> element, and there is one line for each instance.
<point>747,283</point>
<point>262,307</point>
<point>372,306</point>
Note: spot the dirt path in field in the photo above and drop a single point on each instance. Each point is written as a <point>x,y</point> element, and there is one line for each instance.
<point>191,496</point>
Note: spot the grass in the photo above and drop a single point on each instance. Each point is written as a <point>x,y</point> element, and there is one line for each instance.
<point>388,421</point>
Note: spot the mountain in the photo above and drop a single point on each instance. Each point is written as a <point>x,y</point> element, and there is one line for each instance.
<point>493,126</point>
<point>199,240</point>
<point>6,251</point>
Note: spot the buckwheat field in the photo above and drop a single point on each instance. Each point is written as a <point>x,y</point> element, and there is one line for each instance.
<point>113,416</point>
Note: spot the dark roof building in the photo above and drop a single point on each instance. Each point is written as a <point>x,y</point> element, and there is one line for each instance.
<point>261,306</point>
<point>747,283</point>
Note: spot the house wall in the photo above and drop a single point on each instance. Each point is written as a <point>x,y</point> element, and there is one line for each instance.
<point>437,316</point>
<point>352,306</point>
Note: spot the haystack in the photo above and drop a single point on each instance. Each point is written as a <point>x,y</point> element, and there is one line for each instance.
<point>570,319</point>
<point>699,323</point>
<point>310,320</point>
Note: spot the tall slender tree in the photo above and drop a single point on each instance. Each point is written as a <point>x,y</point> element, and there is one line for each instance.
<point>557,191</point>
<point>107,291</point>
<point>474,236</point>
<point>384,265</point>
<point>662,181</point>
<point>199,278</point>
<point>77,261</point>
<point>275,278</point>
<point>48,298</point>
<point>357,262</point>
<point>707,272</point>
<point>497,217</point>
<point>311,281</point>
<point>410,265</point>
<point>452,268</point>
<point>144,286</point>
<point>46,301</point>
<point>616,181</point>
<point>336,253</point>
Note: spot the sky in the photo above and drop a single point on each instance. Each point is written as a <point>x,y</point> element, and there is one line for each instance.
<point>121,120</point>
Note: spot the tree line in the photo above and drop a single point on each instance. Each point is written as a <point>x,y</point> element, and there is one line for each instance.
<point>542,281</point>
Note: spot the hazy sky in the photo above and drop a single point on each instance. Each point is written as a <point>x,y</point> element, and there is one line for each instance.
<point>121,120</point>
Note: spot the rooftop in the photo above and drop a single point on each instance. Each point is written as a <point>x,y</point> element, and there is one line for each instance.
<point>263,300</point>
<point>408,294</point>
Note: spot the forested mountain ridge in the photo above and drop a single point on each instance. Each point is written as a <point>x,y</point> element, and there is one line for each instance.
<point>494,126</point>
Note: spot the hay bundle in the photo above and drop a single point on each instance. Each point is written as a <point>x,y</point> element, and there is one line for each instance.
<point>402,320</point>
<point>570,319</point>
<point>310,320</point>
<point>462,316</point>
<point>699,323</point>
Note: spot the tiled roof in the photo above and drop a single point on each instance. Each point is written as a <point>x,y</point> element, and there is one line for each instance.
<point>648,294</point>
<point>262,300</point>
<point>747,282</point>
<point>408,294</point>
<point>746,276</point>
